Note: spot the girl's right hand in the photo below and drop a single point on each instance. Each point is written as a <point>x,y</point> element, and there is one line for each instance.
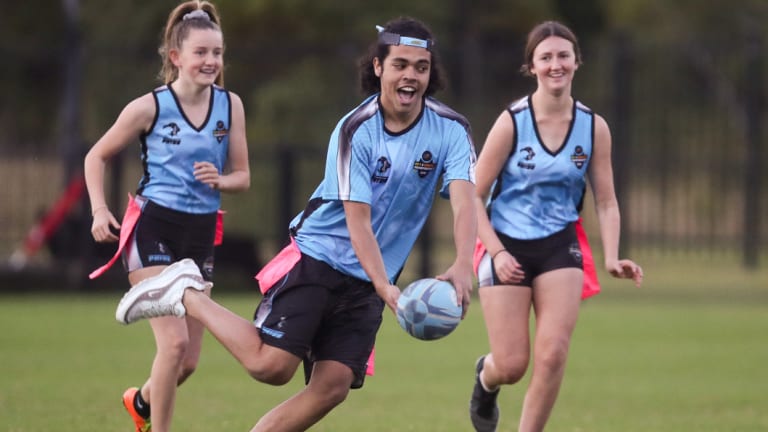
<point>103,222</point>
<point>507,268</point>
<point>389,293</point>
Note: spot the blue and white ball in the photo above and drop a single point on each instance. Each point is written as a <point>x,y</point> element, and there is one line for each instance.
<point>427,309</point>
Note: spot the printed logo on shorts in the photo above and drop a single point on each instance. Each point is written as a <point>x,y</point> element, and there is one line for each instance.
<point>208,268</point>
<point>425,165</point>
<point>272,332</point>
<point>159,258</point>
<point>575,251</point>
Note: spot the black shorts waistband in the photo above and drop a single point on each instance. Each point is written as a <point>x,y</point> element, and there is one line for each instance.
<point>155,209</point>
<point>563,237</point>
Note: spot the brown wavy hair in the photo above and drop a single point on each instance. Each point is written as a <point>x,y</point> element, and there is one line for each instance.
<point>542,31</point>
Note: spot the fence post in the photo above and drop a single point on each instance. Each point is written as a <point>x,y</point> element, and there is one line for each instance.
<point>622,102</point>
<point>287,188</point>
<point>754,73</point>
<point>70,134</point>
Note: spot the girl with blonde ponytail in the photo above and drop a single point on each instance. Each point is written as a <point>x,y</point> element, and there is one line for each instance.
<point>193,147</point>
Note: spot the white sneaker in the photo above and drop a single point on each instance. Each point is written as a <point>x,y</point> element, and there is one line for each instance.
<point>161,295</point>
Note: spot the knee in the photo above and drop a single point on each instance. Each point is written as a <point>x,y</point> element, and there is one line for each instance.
<point>328,395</point>
<point>335,395</point>
<point>511,369</point>
<point>175,349</point>
<point>268,373</point>
<point>553,356</point>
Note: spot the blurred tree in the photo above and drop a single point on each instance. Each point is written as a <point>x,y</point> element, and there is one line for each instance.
<point>121,41</point>
<point>31,47</point>
<point>294,63</point>
<point>586,17</point>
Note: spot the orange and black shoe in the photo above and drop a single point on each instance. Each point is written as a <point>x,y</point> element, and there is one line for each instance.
<point>142,424</point>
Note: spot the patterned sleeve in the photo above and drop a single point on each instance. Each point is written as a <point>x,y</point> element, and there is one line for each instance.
<point>347,167</point>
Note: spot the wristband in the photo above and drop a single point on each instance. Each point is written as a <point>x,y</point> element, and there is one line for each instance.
<point>493,257</point>
<point>93,212</point>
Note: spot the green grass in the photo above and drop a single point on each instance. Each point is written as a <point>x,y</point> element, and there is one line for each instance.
<point>687,352</point>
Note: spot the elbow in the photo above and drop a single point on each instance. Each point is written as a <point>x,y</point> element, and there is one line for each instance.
<point>92,160</point>
<point>241,182</point>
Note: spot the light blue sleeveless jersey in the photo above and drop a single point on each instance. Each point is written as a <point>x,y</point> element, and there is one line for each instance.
<point>539,192</point>
<point>173,144</point>
<point>396,174</point>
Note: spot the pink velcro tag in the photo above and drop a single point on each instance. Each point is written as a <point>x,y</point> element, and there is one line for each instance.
<point>278,266</point>
<point>478,255</point>
<point>591,284</point>
<point>132,212</point>
<point>219,238</point>
<point>371,360</point>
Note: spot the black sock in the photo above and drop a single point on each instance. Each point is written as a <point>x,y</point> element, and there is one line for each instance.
<point>142,406</point>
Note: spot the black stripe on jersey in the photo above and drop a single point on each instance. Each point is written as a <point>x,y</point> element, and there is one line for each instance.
<point>184,115</point>
<point>344,155</point>
<point>143,141</point>
<point>312,205</point>
<point>444,110</point>
<point>512,109</point>
<point>229,107</point>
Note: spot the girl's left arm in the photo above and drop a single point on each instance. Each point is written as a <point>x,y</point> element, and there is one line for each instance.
<point>238,175</point>
<point>607,207</point>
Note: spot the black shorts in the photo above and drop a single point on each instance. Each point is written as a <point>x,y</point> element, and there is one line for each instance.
<point>163,236</point>
<point>318,313</point>
<point>560,250</point>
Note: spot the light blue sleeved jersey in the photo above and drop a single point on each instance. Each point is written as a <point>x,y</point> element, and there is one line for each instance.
<point>395,173</point>
<point>539,192</point>
<point>173,144</point>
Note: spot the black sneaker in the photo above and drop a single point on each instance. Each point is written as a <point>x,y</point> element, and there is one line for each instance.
<point>483,410</point>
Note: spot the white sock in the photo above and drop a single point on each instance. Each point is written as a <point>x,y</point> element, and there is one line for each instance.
<point>485,386</point>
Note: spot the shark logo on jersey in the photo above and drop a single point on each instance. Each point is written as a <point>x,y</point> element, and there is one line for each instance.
<point>425,165</point>
<point>381,174</point>
<point>529,155</point>
<point>579,158</point>
<point>220,132</point>
<point>174,131</point>
<point>173,127</point>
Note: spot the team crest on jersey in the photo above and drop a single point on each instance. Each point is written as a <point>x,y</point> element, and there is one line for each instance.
<point>381,175</point>
<point>173,130</point>
<point>579,158</point>
<point>529,155</point>
<point>220,132</point>
<point>425,165</point>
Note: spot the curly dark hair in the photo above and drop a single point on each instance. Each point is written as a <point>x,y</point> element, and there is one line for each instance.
<point>404,26</point>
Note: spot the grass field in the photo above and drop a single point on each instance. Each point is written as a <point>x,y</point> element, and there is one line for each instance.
<point>688,352</point>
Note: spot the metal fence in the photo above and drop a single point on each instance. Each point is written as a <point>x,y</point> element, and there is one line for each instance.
<point>689,158</point>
